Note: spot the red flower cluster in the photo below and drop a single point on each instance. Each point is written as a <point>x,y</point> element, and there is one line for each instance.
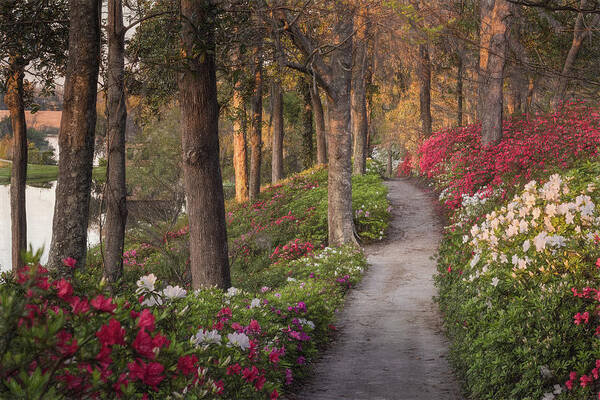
<point>291,251</point>
<point>528,145</point>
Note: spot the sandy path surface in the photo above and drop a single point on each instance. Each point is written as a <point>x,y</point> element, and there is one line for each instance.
<point>391,344</point>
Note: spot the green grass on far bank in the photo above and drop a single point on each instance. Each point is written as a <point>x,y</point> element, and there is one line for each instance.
<point>38,174</point>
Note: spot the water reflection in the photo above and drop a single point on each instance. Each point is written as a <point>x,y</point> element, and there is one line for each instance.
<point>40,210</point>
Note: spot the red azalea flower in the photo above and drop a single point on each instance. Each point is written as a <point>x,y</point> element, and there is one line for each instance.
<point>160,341</point>
<point>150,374</point>
<point>220,387</point>
<point>260,382</point>
<point>67,344</point>
<point>254,326</point>
<point>250,374</point>
<point>146,320</point>
<point>274,356</point>
<point>274,394</point>
<point>187,364</point>
<point>79,306</point>
<point>234,369</point>
<point>64,288</point>
<point>69,262</point>
<point>111,334</point>
<point>143,344</point>
<point>102,303</point>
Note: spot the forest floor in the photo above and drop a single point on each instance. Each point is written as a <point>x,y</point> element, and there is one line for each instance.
<point>391,343</point>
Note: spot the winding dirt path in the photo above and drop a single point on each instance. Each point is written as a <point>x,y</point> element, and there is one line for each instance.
<point>391,344</point>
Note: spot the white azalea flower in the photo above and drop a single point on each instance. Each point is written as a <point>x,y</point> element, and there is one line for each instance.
<point>146,283</point>
<point>239,339</point>
<point>526,245</point>
<point>495,281</point>
<point>540,241</point>
<point>255,303</point>
<point>203,337</point>
<point>174,292</point>
<point>233,291</point>
<point>152,300</point>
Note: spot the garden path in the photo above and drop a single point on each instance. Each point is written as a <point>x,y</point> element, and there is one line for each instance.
<point>391,344</point>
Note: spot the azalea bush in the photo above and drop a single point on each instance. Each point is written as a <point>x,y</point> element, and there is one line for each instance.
<point>163,341</point>
<point>288,220</point>
<point>459,165</point>
<point>518,266</point>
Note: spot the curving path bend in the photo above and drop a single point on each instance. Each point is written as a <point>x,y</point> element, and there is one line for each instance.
<point>391,345</point>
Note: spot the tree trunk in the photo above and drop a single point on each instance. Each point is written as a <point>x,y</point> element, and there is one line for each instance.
<point>209,262</point>
<point>492,57</point>
<point>240,154</point>
<point>116,190</point>
<point>307,123</point>
<point>424,74</point>
<point>339,216</point>
<point>76,137</point>
<point>256,128</point>
<point>18,176</point>
<point>579,31</point>
<point>459,92</point>
<point>277,115</point>
<point>319,117</point>
<point>359,111</point>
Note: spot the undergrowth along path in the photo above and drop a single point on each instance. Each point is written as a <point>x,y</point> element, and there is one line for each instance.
<point>391,344</point>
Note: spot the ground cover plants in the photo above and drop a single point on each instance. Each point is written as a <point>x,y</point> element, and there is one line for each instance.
<point>70,338</point>
<point>518,269</point>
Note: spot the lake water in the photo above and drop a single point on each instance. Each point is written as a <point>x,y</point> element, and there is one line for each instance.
<point>40,211</point>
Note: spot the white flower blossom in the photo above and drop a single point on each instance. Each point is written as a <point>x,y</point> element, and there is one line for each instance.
<point>174,292</point>
<point>255,303</point>
<point>146,283</point>
<point>495,281</point>
<point>239,339</point>
<point>203,337</point>
<point>232,291</point>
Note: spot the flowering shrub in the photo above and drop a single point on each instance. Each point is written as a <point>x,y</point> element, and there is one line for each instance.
<point>165,341</point>
<point>458,163</point>
<point>292,250</point>
<point>508,272</point>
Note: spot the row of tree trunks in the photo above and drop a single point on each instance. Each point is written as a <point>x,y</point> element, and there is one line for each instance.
<point>18,176</point>
<point>76,137</point>
<point>209,260</point>
<point>277,143</point>
<point>256,127</point>
<point>115,191</point>
<point>492,57</point>
<point>321,134</point>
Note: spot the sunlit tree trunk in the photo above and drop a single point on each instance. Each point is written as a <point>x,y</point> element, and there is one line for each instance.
<point>209,262</point>
<point>256,127</point>
<point>76,137</point>
<point>319,117</point>
<point>240,153</point>
<point>492,57</point>
<point>277,144</point>
<point>18,175</point>
<point>116,190</point>
<point>359,98</point>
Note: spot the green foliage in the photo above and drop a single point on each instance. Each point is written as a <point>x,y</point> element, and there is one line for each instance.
<point>505,288</point>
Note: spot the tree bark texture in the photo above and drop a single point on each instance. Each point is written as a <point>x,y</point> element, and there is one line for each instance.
<point>18,175</point>
<point>76,137</point>
<point>277,144</point>
<point>307,123</point>
<point>321,134</point>
<point>492,57</point>
<point>209,262</point>
<point>116,190</point>
<point>340,217</point>
<point>256,127</point>
<point>359,98</point>
<point>579,31</point>
<point>424,75</point>
<point>240,153</point>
